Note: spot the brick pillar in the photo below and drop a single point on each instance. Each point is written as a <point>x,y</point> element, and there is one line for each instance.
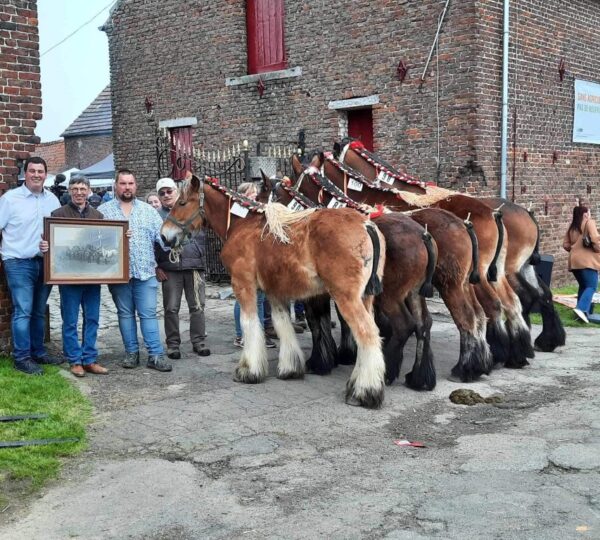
<point>20,108</point>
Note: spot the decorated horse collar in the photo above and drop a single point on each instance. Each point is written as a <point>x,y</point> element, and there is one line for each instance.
<point>385,172</point>
<point>236,197</point>
<point>299,200</point>
<point>338,196</point>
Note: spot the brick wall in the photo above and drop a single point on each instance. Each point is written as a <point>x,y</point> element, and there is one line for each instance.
<point>20,107</point>
<point>347,52</point>
<point>54,155</point>
<point>81,152</point>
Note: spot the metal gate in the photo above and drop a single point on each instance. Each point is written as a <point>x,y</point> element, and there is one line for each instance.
<point>232,166</point>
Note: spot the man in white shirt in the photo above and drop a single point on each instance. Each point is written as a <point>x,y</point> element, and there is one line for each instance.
<point>22,212</point>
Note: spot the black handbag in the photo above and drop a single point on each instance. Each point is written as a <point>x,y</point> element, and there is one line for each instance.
<point>586,240</point>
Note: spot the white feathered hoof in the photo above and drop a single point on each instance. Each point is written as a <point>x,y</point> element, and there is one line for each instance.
<point>243,375</point>
<point>370,398</point>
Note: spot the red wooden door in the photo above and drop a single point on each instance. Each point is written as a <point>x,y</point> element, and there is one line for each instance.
<point>266,48</point>
<point>181,152</point>
<point>360,126</point>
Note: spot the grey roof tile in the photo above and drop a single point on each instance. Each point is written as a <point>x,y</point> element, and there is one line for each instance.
<point>95,119</point>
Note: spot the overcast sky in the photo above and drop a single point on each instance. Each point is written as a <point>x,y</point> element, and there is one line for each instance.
<point>76,71</point>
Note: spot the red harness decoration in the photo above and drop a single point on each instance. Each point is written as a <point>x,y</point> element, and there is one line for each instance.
<point>360,149</point>
<point>379,210</point>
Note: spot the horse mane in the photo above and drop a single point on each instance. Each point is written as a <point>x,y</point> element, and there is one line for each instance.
<point>279,218</point>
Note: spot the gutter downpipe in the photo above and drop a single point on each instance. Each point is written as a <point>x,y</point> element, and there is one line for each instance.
<point>504,135</point>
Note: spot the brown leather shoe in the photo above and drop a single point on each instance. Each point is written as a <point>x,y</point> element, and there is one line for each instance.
<point>96,369</point>
<point>77,370</point>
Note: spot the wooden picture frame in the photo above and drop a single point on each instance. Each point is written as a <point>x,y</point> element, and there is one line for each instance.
<point>86,251</point>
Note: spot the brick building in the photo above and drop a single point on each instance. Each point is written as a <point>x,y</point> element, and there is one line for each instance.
<point>53,153</point>
<point>263,70</point>
<point>20,108</point>
<point>89,137</point>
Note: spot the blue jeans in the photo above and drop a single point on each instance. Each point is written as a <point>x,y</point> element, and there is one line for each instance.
<point>588,283</point>
<point>260,306</point>
<point>72,297</point>
<point>137,296</point>
<point>29,294</point>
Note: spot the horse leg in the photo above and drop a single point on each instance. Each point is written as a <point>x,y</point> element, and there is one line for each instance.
<point>475,357</point>
<point>253,366</point>
<point>396,325</point>
<point>553,333</point>
<point>291,359</point>
<point>496,334</point>
<point>365,386</point>
<point>347,351</point>
<point>422,376</point>
<point>518,331</point>
<point>324,352</point>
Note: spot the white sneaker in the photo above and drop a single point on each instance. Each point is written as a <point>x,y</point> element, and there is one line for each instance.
<point>580,314</point>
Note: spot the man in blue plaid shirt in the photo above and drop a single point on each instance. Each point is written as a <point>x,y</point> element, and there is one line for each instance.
<point>140,293</point>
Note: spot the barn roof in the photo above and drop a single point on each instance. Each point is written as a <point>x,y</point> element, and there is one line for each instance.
<point>96,119</point>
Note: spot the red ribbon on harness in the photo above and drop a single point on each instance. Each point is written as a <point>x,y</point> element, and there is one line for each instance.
<point>356,144</point>
<point>378,212</point>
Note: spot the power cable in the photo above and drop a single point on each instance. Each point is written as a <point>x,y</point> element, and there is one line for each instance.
<point>110,4</point>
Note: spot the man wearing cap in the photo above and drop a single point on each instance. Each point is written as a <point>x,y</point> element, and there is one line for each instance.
<point>184,275</point>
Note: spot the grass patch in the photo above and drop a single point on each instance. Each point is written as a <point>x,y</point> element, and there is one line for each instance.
<point>566,314</point>
<point>69,412</point>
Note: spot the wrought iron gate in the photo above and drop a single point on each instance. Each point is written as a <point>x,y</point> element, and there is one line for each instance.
<point>232,166</point>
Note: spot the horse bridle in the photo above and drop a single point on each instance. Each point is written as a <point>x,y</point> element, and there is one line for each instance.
<point>185,225</point>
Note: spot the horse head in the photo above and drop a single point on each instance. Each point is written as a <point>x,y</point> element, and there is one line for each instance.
<point>186,218</point>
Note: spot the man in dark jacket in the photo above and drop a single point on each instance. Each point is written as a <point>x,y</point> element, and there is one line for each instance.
<point>178,276</point>
<point>82,357</point>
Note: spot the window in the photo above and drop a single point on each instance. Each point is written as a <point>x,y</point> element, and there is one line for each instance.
<point>266,48</point>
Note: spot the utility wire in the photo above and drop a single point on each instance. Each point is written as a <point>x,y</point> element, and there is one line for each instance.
<point>110,4</point>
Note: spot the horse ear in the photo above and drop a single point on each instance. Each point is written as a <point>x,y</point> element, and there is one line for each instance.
<point>337,149</point>
<point>194,181</point>
<point>296,165</point>
<point>188,176</point>
<point>266,182</point>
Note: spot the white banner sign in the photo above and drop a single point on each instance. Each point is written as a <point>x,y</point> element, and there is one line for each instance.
<point>586,120</point>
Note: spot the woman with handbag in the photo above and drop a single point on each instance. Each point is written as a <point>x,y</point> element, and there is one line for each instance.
<point>582,241</point>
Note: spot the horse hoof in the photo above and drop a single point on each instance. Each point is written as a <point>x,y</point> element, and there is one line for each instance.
<point>243,375</point>
<point>291,375</point>
<point>516,364</point>
<point>370,399</point>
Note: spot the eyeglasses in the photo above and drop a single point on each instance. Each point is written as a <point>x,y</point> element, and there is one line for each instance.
<point>164,192</point>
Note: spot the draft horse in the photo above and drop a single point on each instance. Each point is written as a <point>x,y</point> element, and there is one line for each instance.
<point>291,256</point>
<point>400,309</point>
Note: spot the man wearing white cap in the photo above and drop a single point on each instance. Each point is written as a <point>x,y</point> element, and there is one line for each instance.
<point>185,275</point>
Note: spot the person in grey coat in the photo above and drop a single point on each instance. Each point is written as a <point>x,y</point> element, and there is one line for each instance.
<point>184,274</point>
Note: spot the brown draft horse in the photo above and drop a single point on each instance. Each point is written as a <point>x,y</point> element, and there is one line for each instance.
<point>509,341</point>
<point>291,256</point>
<point>522,244</point>
<point>451,275</point>
<point>401,309</point>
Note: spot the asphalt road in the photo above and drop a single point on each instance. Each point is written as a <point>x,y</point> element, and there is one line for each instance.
<point>192,454</point>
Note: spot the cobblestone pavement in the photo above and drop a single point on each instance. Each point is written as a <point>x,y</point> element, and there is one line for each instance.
<point>192,454</point>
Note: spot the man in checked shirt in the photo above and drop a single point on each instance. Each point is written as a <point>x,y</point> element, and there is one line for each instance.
<point>140,293</point>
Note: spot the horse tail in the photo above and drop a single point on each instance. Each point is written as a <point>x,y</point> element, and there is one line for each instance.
<point>374,286</point>
<point>426,289</point>
<point>474,276</point>
<point>535,258</point>
<point>492,273</point>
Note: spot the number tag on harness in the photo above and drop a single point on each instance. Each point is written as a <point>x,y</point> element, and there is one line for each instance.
<point>295,206</point>
<point>356,185</point>
<point>239,210</point>
<point>384,177</point>
<point>335,203</point>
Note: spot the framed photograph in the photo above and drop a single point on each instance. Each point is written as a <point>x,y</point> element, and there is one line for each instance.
<point>86,251</point>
